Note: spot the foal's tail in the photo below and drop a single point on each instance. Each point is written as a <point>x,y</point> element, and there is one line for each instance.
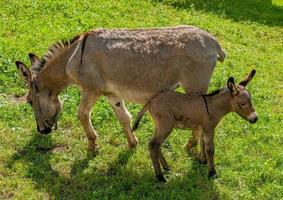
<point>140,115</point>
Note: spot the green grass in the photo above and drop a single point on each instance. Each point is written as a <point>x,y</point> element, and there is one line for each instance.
<point>249,158</point>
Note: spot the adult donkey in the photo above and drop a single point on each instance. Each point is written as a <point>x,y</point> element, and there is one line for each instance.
<point>121,64</point>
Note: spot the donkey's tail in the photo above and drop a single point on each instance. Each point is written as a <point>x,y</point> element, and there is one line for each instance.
<point>140,115</point>
<point>221,55</point>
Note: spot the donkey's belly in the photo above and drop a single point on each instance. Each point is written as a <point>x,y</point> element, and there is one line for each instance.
<point>136,93</point>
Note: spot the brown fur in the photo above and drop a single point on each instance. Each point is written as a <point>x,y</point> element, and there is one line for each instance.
<point>121,64</point>
<point>200,113</point>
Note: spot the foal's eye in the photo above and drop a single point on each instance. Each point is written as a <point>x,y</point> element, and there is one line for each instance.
<point>242,104</point>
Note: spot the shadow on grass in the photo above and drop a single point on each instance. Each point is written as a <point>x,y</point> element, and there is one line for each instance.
<point>116,182</point>
<point>260,11</point>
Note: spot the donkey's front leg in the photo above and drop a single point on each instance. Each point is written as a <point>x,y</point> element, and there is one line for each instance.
<point>208,136</point>
<point>84,114</point>
<point>124,118</point>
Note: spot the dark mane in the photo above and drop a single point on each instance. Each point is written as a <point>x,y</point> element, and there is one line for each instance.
<point>217,91</point>
<point>53,51</point>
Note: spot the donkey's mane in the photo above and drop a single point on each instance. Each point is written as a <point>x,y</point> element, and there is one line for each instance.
<point>53,51</point>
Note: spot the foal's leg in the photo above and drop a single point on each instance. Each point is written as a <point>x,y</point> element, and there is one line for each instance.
<point>124,118</point>
<point>84,114</point>
<point>161,133</point>
<point>202,154</point>
<point>209,151</point>
<point>162,161</point>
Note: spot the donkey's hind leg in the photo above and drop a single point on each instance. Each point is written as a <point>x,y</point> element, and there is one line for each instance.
<point>84,114</point>
<point>124,118</point>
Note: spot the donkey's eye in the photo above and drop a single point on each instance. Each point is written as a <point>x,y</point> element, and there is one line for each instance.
<point>241,104</point>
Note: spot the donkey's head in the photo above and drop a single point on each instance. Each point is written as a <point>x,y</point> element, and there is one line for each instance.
<point>45,104</point>
<point>241,101</point>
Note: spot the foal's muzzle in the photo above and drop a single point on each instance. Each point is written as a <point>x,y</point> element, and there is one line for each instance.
<point>254,120</point>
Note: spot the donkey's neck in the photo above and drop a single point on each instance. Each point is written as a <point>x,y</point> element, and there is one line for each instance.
<point>53,76</point>
<point>219,105</point>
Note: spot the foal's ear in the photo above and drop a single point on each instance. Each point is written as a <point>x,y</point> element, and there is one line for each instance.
<point>33,58</point>
<point>248,78</point>
<point>231,86</point>
<point>24,71</point>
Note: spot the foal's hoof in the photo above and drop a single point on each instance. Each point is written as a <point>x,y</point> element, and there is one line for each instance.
<point>201,159</point>
<point>167,169</point>
<point>190,146</point>
<point>203,162</point>
<point>161,178</point>
<point>212,175</point>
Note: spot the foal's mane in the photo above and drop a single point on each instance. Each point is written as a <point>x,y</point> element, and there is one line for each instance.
<point>53,52</point>
<point>217,91</point>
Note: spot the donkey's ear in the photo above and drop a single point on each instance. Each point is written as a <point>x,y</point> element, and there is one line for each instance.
<point>248,78</point>
<point>33,58</point>
<point>24,71</point>
<point>231,86</point>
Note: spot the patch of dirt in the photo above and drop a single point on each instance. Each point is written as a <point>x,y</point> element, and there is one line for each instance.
<point>15,99</point>
<point>57,148</point>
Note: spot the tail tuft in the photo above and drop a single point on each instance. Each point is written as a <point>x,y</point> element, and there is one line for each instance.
<point>221,55</point>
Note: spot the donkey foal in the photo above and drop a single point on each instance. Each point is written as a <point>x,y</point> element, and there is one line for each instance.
<point>170,109</point>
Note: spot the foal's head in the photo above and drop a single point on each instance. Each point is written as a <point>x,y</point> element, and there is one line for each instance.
<point>241,101</point>
<point>45,104</point>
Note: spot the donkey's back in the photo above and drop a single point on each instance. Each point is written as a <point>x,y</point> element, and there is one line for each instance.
<point>181,40</point>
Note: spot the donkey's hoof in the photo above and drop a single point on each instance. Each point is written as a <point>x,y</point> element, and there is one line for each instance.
<point>212,175</point>
<point>192,152</point>
<point>161,178</point>
<point>92,147</point>
<point>133,144</point>
<point>187,148</point>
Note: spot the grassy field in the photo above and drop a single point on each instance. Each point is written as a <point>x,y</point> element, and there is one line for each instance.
<point>249,158</point>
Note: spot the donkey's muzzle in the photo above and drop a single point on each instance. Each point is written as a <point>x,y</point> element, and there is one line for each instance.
<point>44,131</point>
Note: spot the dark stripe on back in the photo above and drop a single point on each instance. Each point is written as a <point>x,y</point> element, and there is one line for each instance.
<point>83,47</point>
<point>205,104</point>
